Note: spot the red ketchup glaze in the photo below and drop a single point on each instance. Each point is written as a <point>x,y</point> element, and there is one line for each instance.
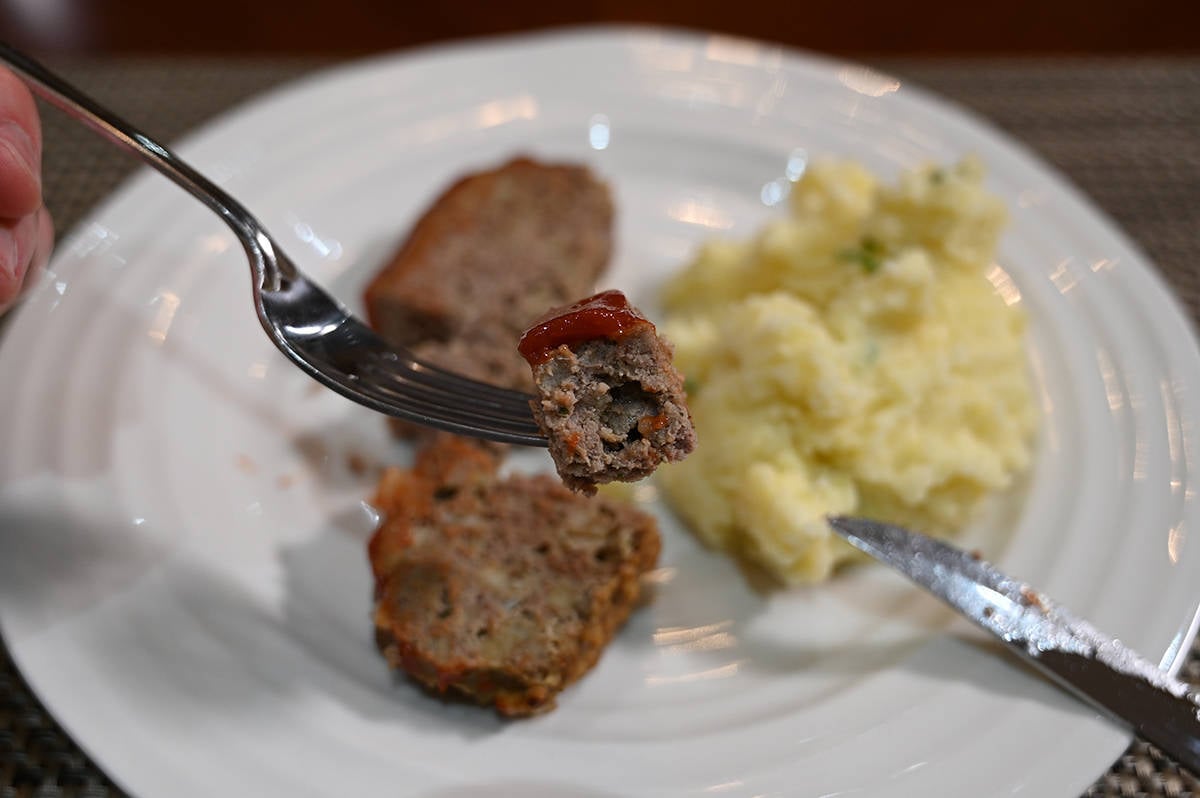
<point>605,315</point>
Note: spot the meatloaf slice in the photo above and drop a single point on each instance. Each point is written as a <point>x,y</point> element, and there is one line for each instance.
<point>502,590</point>
<point>492,252</point>
<point>608,398</point>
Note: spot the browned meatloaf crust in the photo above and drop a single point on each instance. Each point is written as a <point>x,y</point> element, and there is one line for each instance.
<point>491,254</point>
<point>612,409</point>
<point>500,590</point>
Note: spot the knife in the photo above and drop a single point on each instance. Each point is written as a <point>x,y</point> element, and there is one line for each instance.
<point>1094,666</point>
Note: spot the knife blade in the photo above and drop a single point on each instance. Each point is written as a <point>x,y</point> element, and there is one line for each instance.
<point>1097,668</point>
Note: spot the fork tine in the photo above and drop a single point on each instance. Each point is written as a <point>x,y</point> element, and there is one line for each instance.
<point>397,395</point>
<point>452,397</point>
<point>451,406</point>
<point>482,393</point>
<point>478,394</point>
<point>453,416</point>
<point>509,406</point>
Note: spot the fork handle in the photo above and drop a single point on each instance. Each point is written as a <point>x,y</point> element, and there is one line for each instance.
<point>269,270</point>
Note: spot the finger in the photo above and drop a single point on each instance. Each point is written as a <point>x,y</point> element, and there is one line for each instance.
<point>16,103</point>
<point>20,149</point>
<point>43,246</point>
<point>18,240</point>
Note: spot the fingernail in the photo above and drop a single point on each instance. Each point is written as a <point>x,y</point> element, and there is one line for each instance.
<point>8,255</point>
<point>43,242</point>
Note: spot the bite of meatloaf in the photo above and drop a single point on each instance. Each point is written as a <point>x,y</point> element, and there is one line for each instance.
<point>608,397</point>
<point>493,251</point>
<point>501,590</point>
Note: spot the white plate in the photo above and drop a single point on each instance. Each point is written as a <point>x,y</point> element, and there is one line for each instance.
<point>183,578</point>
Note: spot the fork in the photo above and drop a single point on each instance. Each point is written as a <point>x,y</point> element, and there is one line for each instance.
<point>314,330</point>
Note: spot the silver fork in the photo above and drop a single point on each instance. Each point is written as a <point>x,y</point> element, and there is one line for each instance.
<point>309,326</point>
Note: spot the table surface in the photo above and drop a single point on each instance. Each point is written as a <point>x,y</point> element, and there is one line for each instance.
<point>1126,131</point>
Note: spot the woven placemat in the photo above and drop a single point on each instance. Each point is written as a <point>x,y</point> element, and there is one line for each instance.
<point>1126,131</point>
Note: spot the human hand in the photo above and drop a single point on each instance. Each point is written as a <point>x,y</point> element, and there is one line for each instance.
<point>26,232</point>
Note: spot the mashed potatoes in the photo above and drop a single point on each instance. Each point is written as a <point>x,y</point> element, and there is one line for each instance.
<point>862,355</point>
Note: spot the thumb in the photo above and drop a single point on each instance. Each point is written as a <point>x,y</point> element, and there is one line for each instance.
<point>20,150</point>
